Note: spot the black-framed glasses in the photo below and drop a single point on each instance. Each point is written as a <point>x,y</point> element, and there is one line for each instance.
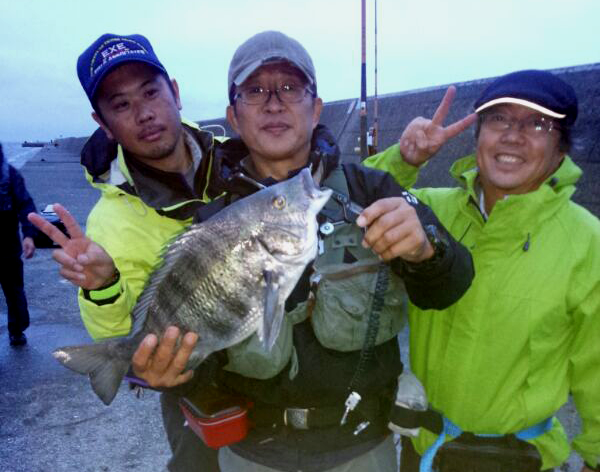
<point>285,93</point>
<point>534,126</point>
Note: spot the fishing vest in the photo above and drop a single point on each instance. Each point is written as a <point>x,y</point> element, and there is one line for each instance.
<point>341,299</point>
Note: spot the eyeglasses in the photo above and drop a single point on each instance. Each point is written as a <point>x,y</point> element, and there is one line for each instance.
<point>533,126</point>
<point>286,93</point>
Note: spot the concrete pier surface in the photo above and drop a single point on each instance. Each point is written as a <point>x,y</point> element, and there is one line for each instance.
<point>50,420</point>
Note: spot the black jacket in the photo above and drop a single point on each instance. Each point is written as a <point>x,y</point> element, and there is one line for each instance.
<point>324,375</point>
<point>15,205</point>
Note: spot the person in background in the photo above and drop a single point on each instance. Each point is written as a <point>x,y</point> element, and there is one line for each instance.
<point>499,363</point>
<point>15,205</point>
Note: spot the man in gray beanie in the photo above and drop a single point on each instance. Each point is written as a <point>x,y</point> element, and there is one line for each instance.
<point>321,397</point>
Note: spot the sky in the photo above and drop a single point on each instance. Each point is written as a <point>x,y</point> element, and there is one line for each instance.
<point>420,43</point>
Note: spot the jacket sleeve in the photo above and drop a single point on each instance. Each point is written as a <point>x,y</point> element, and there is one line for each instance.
<point>133,235</point>
<point>429,286</point>
<point>585,352</point>
<point>392,162</point>
<point>23,202</point>
<point>112,319</point>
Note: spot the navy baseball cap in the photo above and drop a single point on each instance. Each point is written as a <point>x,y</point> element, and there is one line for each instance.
<point>108,52</point>
<point>536,89</point>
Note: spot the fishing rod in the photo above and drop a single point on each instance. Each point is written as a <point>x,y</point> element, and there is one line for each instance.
<point>363,85</point>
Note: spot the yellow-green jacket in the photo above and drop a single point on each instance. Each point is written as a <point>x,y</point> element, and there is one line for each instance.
<point>527,332</point>
<point>132,221</point>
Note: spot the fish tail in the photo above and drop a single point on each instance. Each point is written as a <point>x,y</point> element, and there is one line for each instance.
<point>106,371</point>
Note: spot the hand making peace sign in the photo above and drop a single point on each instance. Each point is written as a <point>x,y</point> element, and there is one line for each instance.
<point>83,262</point>
<point>423,137</point>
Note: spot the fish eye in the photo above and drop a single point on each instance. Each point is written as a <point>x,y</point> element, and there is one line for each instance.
<point>279,202</point>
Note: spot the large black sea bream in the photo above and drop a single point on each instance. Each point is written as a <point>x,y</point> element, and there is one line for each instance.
<point>224,279</point>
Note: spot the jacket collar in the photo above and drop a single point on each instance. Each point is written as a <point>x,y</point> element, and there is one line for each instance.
<point>106,163</point>
<point>230,174</point>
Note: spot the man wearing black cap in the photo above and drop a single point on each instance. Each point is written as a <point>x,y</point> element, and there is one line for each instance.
<point>152,173</point>
<point>499,363</point>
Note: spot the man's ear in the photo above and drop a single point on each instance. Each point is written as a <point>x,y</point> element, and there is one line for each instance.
<point>176,92</point>
<point>102,125</point>
<point>232,117</point>
<point>317,109</point>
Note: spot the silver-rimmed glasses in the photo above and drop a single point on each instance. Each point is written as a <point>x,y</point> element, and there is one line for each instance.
<point>286,93</point>
<point>534,126</point>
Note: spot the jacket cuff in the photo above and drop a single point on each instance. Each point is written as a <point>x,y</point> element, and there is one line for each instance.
<point>107,294</point>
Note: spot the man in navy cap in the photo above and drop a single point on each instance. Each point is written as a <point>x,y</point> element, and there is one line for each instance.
<point>499,363</point>
<point>152,172</point>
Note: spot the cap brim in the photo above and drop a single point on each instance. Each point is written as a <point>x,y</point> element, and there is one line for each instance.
<point>249,69</point>
<point>520,101</point>
<point>119,62</point>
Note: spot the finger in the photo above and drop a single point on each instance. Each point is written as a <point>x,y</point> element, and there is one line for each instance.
<point>143,354</point>
<point>70,223</point>
<point>166,350</point>
<point>381,241</point>
<point>96,256</point>
<point>48,229</point>
<point>183,353</point>
<point>76,278</point>
<point>66,261</point>
<point>398,212</point>
<point>456,128</point>
<point>421,140</point>
<point>183,378</point>
<point>375,210</point>
<point>442,110</point>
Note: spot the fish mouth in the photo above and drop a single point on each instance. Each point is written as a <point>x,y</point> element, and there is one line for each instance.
<point>317,196</point>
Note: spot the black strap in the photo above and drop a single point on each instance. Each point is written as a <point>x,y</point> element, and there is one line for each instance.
<point>410,419</point>
<point>358,379</point>
<point>318,417</point>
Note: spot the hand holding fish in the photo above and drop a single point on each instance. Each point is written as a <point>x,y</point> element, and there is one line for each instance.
<point>162,364</point>
<point>423,137</point>
<point>394,230</point>
<point>83,262</point>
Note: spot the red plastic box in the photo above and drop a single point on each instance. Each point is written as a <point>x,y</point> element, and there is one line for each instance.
<point>217,429</point>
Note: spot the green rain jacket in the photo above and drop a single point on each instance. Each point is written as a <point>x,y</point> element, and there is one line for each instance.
<point>527,332</point>
<point>132,221</point>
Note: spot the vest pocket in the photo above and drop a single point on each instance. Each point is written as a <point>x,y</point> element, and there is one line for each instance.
<point>250,359</point>
<point>343,306</point>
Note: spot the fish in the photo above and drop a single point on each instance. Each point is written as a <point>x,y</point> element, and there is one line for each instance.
<point>225,279</point>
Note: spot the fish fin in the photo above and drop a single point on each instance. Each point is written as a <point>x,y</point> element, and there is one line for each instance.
<point>105,371</point>
<point>273,315</point>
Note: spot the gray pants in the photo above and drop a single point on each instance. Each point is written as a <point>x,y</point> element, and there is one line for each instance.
<point>379,459</point>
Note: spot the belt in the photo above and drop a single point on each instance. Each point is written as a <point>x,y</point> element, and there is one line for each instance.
<point>451,429</point>
<point>313,417</point>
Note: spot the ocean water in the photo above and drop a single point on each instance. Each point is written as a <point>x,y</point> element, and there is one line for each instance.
<point>17,155</point>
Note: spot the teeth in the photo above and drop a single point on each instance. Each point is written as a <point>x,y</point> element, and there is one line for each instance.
<point>507,159</point>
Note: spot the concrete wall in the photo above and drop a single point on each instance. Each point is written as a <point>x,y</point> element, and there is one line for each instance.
<point>398,109</point>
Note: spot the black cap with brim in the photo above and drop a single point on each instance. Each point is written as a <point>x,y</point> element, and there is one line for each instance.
<point>535,89</point>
